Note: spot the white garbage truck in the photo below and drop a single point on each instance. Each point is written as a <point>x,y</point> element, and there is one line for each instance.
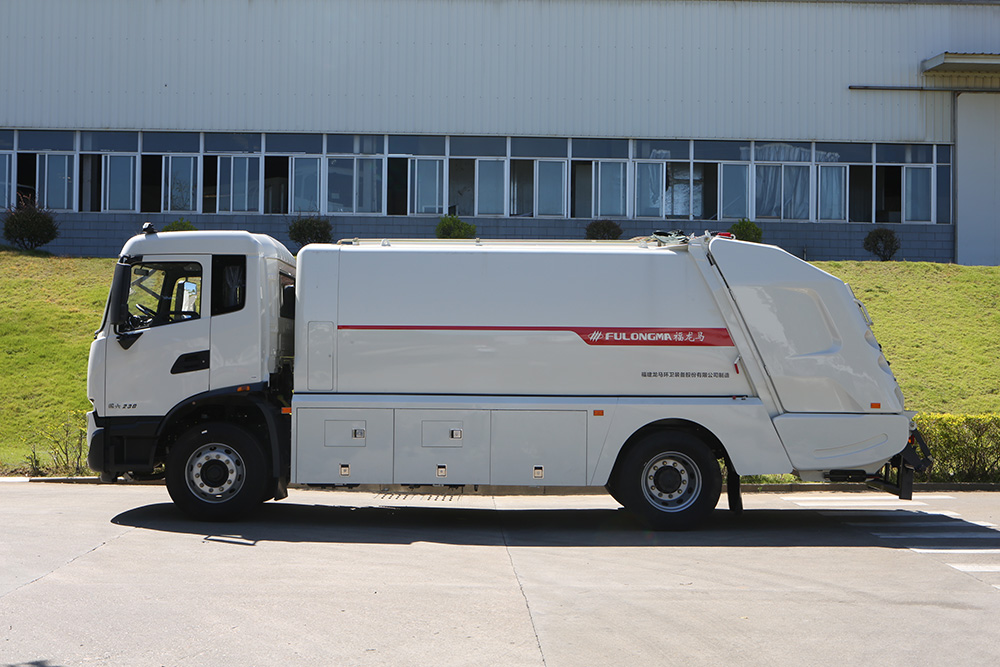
<point>645,367</point>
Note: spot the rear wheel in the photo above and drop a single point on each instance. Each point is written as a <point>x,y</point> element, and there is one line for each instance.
<point>217,472</point>
<point>670,479</point>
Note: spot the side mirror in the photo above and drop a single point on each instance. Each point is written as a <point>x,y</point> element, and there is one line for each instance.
<point>118,300</point>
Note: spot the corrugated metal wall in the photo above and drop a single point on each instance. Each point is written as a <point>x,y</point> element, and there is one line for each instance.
<point>631,68</point>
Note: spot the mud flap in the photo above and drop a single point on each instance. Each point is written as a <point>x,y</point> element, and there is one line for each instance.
<point>896,476</point>
<point>733,489</point>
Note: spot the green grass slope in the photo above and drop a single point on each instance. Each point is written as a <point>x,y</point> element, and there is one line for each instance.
<point>939,325</point>
<point>49,309</point>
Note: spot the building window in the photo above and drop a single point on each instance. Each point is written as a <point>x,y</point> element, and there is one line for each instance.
<point>611,190</point>
<point>5,189</point>
<point>340,185</point>
<point>677,198</point>
<point>414,183</point>
<point>649,189</point>
<point>461,186</point>
<point>107,178</point>
<point>294,143</point>
<point>522,188</point>
<point>55,181</point>
<point>119,182</point>
<point>478,147</point>
<point>943,190</point>
<point>735,186</point>
<point>721,189</point>
<point>180,182</point>
<point>427,186</point>
<point>782,191</point>
<point>551,187</point>
<point>276,184</point>
<point>581,189</point>
<point>45,140</point>
<point>369,185</point>
<point>305,184</point>
<point>171,142</point>
<point>489,187</point>
<point>832,192</point>
<point>538,147</point>
<point>917,189</point>
<point>237,183</point>
<point>232,142</point>
<point>845,183</point>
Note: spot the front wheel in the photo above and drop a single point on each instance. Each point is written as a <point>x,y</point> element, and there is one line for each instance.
<point>217,472</point>
<point>670,479</point>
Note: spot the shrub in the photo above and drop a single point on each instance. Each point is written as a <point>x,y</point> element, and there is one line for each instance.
<point>965,448</point>
<point>451,227</point>
<point>180,225</point>
<point>746,230</point>
<point>882,243</point>
<point>603,230</point>
<point>29,225</point>
<point>310,230</point>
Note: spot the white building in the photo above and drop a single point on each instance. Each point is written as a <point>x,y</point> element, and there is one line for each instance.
<point>525,117</point>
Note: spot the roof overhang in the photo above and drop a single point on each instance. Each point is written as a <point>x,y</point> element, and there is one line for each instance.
<point>976,63</point>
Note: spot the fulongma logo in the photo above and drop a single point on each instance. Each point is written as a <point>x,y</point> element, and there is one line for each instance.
<point>630,336</point>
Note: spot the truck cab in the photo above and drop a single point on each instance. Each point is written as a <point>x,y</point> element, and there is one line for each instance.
<point>197,329</point>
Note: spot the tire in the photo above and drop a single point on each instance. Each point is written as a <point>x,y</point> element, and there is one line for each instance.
<point>217,472</point>
<point>669,479</point>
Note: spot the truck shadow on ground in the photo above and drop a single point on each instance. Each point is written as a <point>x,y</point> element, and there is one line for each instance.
<point>300,523</point>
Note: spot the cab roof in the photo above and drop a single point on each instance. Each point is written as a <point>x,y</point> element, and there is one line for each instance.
<point>207,243</point>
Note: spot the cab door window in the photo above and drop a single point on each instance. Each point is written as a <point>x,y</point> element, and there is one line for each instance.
<point>163,293</point>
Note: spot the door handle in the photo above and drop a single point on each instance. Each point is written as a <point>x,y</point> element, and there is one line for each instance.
<point>190,362</point>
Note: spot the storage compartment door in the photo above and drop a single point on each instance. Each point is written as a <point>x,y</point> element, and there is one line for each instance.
<point>442,447</point>
<point>343,446</point>
<point>539,448</point>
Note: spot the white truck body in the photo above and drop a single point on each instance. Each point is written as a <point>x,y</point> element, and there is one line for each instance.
<point>519,364</point>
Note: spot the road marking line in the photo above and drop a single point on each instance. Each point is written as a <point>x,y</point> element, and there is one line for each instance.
<point>948,521</point>
<point>861,496</point>
<point>873,513</point>
<point>949,552</point>
<point>833,506</point>
<point>975,535</point>
<point>975,568</point>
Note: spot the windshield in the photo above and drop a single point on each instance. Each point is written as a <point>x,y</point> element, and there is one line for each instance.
<point>162,293</point>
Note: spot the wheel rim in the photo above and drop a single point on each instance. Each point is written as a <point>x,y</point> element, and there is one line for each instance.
<point>215,472</point>
<point>671,482</point>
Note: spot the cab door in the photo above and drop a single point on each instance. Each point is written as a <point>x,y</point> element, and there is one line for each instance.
<point>158,355</point>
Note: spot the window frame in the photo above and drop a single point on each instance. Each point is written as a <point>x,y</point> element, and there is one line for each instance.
<point>166,178</point>
<point>106,159</point>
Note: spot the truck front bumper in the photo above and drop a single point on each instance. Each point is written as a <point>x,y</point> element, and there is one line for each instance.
<point>118,446</point>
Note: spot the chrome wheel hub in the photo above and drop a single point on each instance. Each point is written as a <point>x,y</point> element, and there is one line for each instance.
<point>215,472</point>
<point>671,482</point>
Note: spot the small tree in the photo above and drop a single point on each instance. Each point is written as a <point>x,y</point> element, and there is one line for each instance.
<point>746,230</point>
<point>451,227</point>
<point>310,230</point>
<point>882,242</point>
<point>180,225</point>
<point>29,225</point>
<point>603,230</point>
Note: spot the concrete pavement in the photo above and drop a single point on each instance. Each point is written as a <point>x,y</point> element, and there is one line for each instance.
<point>113,575</point>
